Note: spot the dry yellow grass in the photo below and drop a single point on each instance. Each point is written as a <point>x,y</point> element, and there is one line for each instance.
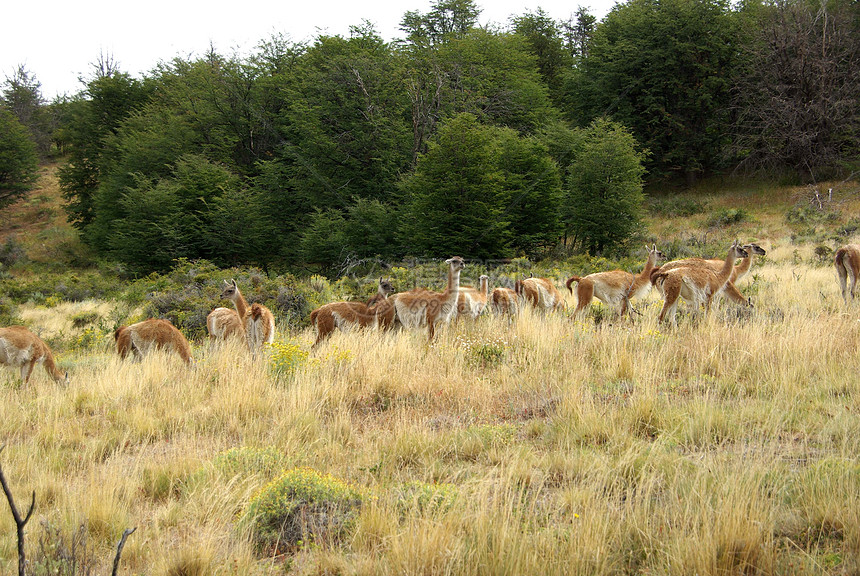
<point>725,445</point>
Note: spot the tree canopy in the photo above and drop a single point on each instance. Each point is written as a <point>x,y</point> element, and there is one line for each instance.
<point>492,142</point>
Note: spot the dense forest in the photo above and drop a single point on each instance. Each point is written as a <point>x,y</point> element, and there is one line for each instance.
<point>490,143</point>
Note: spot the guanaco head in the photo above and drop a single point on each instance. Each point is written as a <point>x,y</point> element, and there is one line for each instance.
<point>754,249</point>
<point>738,250</point>
<point>652,251</point>
<point>456,262</point>
<point>230,290</point>
<point>386,287</point>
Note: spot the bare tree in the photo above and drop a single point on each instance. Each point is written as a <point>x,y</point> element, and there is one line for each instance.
<point>797,101</point>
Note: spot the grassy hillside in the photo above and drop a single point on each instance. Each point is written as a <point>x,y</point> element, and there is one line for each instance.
<point>542,445</point>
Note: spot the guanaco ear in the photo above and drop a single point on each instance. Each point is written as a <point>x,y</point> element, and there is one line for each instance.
<point>234,283</point>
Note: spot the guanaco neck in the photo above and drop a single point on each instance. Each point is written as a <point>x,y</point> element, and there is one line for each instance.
<point>51,366</point>
<point>485,286</point>
<point>745,265</point>
<point>240,303</point>
<point>645,275</point>
<point>453,281</point>
<point>728,265</point>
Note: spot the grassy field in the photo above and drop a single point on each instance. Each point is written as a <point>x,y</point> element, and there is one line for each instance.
<point>726,445</point>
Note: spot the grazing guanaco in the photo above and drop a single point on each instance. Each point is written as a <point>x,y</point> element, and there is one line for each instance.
<point>503,301</point>
<point>470,301</point>
<point>739,271</point>
<point>257,320</point>
<point>696,284</point>
<point>140,338</point>
<point>848,266</point>
<point>541,293</point>
<point>20,348</point>
<point>614,288</point>
<point>421,307</point>
<point>347,315</point>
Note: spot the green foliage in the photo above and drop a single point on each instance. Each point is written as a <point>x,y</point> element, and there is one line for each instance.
<point>544,38</point>
<point>12,252</point>
<point>605,187</point>
<point>477,192</point>
<point>89,120</point>
<point>301,507</point>
<point>247,460</point>
<point>663,68</point>
<point>8,312</point>
<point>446,19</point>
<point>22,95</point>
<point>726,217</point>
<point>423,498</point>
<point>198,211</point>
<point>19,162</point>
<point>286,357</point>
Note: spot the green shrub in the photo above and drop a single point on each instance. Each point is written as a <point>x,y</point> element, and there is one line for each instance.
<point>8,312</point>
<point>94,337</point>
<point>726,217</point>
<point>302,506</point>
<point>483,353</point>
<point>12,252</point>
<point>426,498</point>
<point>82,319</point>
<point>246,460</point>
<point>285,357</point>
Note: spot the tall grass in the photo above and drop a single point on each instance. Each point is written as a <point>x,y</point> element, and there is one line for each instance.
<point>725,445</point>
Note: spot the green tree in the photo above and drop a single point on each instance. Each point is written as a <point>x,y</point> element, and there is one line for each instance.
<point>490,75</point>
<point>92,117</point>
<point>533,187</point>
<point>446,19</point>
<point>544,38</point>
<point>474,193</point>
<point>343,123</point>
<point>19,162</point>
<point>605,187</point>
<point>199,210</point>
<point>663,68</point>
<point>22,95</point>
<point>578,30</point>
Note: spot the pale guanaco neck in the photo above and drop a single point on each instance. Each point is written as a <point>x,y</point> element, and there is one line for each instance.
<point>240,303</point>
<point>644,277</point>
<point>453,280</point>
<point>485,286</point>
<point>728,265</point>
<point>744,266</point>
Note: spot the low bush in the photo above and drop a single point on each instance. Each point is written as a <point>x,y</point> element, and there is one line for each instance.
<point>727,217</point>
<point>425,498</point>
<point>246,460</point>
<point>300,507</point>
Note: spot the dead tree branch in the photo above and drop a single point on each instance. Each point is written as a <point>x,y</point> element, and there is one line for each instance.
<point>19,522</point>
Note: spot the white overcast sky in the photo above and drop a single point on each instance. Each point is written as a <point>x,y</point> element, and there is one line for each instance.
<point>58,40</point>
